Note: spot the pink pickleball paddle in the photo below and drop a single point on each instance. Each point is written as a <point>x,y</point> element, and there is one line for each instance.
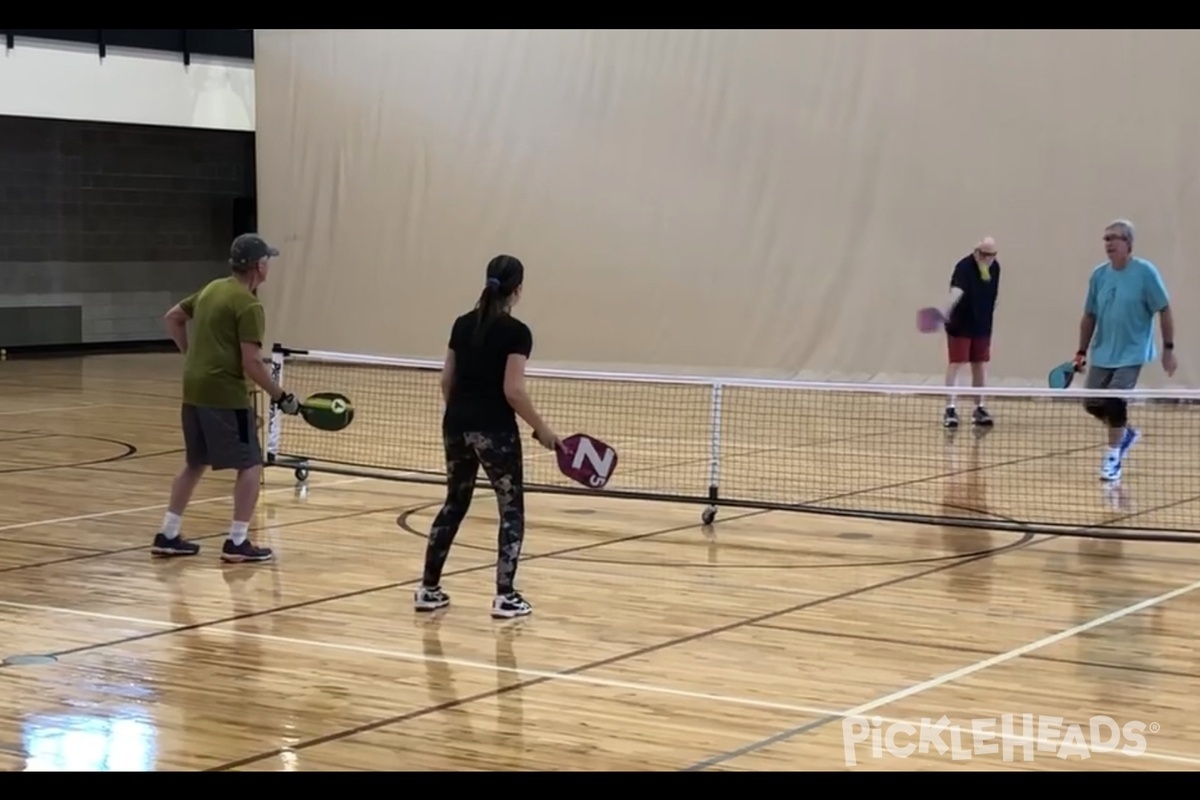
<point>586,460</point>
<point>929,320</point>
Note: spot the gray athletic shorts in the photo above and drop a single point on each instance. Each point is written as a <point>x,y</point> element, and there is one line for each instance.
<point>220,438</point>
<point>1116,378</point>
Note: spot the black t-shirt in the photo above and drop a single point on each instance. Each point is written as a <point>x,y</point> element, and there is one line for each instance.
<point>972,316</point>
<point>477,401</point>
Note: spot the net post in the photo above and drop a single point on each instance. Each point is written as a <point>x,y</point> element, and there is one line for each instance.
<point>259,428</point>
<point>274,417</point>
<point>714,458</point>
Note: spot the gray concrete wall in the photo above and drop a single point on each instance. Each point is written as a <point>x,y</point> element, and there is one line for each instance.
<point>103,227</point>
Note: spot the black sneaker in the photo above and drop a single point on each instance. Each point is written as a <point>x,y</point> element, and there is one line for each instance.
<point>981,417</point>
<point>507,606</point>
<point>173,547</point>
<point>426,599</point>
<point>239,553</point>
<point>950,418</point>
<point>168,547</point>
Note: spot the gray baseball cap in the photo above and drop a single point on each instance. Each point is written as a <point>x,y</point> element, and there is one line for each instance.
<point>249,248</point>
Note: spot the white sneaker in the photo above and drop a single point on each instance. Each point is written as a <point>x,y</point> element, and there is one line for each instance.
<point>507,606</point>
<point>430,599</point>
<point>1110,470</point>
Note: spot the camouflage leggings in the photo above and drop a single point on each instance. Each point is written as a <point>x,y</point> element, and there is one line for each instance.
<point>500,456</point>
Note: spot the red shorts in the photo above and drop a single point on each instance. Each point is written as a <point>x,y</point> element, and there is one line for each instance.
<point>969,350</point>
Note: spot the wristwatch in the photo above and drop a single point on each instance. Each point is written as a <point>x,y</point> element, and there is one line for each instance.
<point>1168,345</point>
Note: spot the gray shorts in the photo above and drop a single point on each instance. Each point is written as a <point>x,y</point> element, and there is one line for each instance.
<point>220,438</point>
<point>1116,378</point>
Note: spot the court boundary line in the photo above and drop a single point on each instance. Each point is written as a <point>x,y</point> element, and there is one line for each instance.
<point>526,672</point>
<point>947,678</point>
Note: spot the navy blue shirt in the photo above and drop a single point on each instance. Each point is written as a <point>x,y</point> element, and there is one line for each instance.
<point>972,316</point>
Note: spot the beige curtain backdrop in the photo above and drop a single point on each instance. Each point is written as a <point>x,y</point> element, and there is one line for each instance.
<point>770,203</point>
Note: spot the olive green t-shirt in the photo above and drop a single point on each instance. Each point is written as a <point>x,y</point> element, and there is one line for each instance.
<point>224,315</point>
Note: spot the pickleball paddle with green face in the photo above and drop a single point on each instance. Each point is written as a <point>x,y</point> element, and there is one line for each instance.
<point>327,411</point>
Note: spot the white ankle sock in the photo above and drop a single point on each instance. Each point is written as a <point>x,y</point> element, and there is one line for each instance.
<point>170,526</point>
<point>239,532</point>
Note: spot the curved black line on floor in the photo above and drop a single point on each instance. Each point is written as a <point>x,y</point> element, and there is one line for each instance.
<point>154,453</point>
<point>128,450</point>
<point>403,523</point>
<point>139,457</point>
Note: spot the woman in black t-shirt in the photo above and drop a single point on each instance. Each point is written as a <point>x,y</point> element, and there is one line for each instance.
<point>483,384</point>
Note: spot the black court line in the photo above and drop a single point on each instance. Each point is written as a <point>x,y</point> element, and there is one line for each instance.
<point>748,450</point>
<point>755,450</point>
<point>980,651</point>
<point>952,474</point>
<point>51,545</point>
<point>341,515</point>
<point>829,565</point>
<point>127,451</point>
<point>29,437</point>
<point>1026,541</point>
<point>113,467</point>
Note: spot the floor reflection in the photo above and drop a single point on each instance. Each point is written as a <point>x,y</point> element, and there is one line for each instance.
<point>88,743</point>
<point>965,498</point>
<point>507,734</point>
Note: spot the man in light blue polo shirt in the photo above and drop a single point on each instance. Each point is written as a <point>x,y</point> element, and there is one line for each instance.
<point>1124,295</point>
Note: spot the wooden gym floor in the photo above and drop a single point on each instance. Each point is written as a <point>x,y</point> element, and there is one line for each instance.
<point>654,644</point>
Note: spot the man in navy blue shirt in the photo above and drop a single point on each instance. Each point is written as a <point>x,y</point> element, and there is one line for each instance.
<point>974,287</point>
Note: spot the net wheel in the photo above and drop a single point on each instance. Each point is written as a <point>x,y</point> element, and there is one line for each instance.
<point>301,474</point>
<point>710,514</point>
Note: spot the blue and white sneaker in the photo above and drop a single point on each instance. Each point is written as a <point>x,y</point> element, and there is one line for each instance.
<point>1110,469</point>
<point>1128,440</point>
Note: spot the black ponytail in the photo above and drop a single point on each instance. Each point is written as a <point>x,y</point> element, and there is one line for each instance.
<point>504,276</point>
<point>491,305</point>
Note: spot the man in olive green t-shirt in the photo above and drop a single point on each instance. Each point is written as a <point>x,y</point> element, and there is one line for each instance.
<point>219,430</point>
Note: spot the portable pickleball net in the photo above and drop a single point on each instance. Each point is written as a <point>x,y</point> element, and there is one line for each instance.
<point>861,450</point>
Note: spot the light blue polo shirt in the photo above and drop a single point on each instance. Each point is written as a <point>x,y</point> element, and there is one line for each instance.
<point>1124,303</point>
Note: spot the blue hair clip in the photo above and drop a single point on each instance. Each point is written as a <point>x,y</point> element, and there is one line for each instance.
<point>493,283</point>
